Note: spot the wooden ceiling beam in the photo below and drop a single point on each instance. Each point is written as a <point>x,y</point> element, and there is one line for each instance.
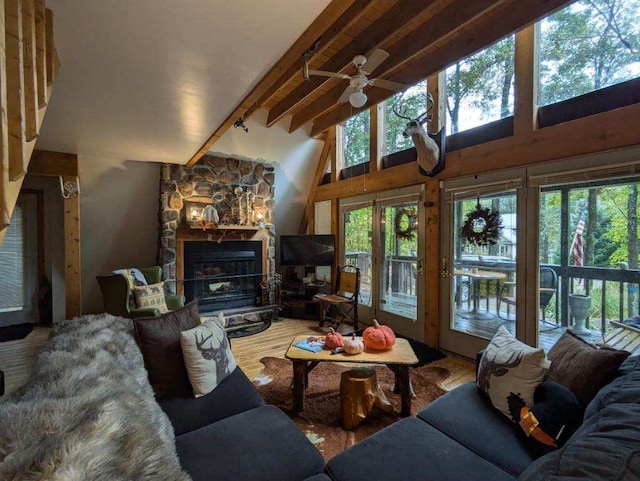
<point>321,24</point>
<point>439,27</point>
<point>373,36</point>
<point>515,15</point>
<point>346,20</point>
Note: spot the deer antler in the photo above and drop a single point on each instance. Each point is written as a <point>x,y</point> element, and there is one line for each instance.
<point>200,343</point>
<point>395,111</point>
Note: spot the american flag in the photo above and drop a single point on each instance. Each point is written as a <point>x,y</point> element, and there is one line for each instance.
<point>577,247</point>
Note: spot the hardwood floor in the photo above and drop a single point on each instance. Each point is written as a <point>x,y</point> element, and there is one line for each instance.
<point>17,357</point>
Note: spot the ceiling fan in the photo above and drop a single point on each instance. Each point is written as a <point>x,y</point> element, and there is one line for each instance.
<point>354,92</point>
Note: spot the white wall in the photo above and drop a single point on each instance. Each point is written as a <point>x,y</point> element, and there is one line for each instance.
<point>120,199</point>
<point>294,157</point>
<point>118,220</point>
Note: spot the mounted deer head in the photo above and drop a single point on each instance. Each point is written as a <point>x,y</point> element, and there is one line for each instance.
<point>427,148</point>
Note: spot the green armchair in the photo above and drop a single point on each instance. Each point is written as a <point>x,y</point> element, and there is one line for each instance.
<point>118,297</point>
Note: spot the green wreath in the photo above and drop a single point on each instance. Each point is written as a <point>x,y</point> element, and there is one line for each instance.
<point>409,230</point>
<point>482,227</point>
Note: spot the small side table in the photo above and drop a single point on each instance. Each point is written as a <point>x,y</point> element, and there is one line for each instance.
<point>359,394</point>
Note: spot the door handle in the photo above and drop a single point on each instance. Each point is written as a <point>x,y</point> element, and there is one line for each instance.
<point>420,266</point>
<point>444,268</point>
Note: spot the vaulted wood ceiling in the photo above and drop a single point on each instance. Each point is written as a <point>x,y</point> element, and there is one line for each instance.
<point>422,37</point>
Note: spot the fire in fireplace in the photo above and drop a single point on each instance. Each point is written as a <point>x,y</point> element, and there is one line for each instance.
<point>223,275</point>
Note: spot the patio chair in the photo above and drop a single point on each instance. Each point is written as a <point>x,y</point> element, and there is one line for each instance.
<point>548,287</point>
<point>342,305</point>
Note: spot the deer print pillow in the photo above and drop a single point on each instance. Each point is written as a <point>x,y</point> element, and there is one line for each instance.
<point>207,356</point>
<point>510,371</point>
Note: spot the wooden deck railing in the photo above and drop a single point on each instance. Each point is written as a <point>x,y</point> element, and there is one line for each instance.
<point>28,67</point>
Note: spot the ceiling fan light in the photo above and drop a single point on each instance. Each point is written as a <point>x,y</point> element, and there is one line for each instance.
<point>357,99</point>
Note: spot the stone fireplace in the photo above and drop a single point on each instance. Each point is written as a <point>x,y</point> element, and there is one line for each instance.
<point>228,263</point>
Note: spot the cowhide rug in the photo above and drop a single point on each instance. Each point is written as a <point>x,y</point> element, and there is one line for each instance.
<point>88,411</point>
<point>320,420</point>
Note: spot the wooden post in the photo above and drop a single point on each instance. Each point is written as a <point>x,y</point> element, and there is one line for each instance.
<point>72,255</point>
<point>18,160</point>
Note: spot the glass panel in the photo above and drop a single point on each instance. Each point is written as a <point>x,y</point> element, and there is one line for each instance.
<point>410,103</point>
<point>589,45</point>
<point>358,246</point>
<point>484,291</point>
<point>399,252</point>
<point>589,238</point>
<point>355,139</point>
<point>480,88</point>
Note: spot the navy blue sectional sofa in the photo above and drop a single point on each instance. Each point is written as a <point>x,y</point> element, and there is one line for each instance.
<point>230,434</point>
<point>461,437</point>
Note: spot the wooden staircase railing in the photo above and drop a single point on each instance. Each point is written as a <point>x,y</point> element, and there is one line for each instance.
<point>28,67</point>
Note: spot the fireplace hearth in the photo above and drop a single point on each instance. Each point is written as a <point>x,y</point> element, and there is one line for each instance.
<point>223,276</point>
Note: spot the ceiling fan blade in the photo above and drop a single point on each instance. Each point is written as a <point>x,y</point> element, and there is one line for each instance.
<point>345,95</point>
<point>376,58</point>
<point>324,73</point>
<point>387,84</point>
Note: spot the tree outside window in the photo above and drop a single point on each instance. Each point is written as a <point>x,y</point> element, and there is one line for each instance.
<point>589,45</point>
<point>410,103</point>
<point>480,88</point>
<point>355,139</point>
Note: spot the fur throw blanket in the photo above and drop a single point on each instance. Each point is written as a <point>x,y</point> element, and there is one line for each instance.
<point>88,411</point>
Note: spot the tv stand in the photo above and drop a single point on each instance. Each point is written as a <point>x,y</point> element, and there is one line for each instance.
<point>298,299</point>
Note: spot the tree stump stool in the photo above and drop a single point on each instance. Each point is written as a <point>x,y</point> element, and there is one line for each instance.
<point>359,394</point>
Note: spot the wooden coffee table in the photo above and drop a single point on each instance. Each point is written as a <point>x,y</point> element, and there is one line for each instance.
<point>398,359</point>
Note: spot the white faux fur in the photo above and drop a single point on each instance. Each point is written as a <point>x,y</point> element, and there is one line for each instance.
<point>88,411</point>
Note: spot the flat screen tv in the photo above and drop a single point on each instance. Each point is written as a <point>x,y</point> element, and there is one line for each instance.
<point>307,250</point>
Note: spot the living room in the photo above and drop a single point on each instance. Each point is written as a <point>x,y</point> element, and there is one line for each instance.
<point>543,143</point>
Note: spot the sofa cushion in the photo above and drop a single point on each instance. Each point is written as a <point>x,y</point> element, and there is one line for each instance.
<point>623,389</point>
<point>412,450</point>
<point>159,341</point>
<point>207,356</point>
<point>261,444</point>
<point>466,415</point>
<point>234,395</point>
<point>319,477</point>
<point>510,368</point>
<point>583,367</point>
<point>606,447</point>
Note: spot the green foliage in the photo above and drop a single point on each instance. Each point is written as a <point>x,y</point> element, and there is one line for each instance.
<point>358,230</point>
<point>356,139</point>
<point>589,45</point>
<point>410,103</point>
<point>480,88</point>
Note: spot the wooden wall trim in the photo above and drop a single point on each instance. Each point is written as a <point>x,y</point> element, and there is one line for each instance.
<point>53,164</point>
<point>72,256</point>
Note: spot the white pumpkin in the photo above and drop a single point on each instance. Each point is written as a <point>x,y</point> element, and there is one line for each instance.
<point>354,345</point>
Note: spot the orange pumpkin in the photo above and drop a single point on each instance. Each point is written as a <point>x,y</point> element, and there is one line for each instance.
<point>378,337</point>
<point>333,339</point>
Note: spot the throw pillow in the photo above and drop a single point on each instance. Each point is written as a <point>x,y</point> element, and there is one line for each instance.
<point>509,367</point>
<point>151,296</point>
<point>159,341</point>
<point>583,367</point>
<point>555,415</point>
<point>134,278</point>
<point>207,356</point>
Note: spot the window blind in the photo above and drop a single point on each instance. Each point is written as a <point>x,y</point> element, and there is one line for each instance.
<point>12,264</point>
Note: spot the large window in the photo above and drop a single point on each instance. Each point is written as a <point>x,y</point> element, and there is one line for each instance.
<point>410,103</point>
<point>480,88</point>
<point>355,139</point>
<point>589,45</point>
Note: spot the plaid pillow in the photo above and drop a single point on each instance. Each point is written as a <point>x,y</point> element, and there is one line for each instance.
<point>151,296</point>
